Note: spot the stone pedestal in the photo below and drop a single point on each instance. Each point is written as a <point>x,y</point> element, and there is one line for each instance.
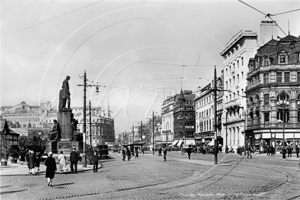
<point>67,146</point>
<point>51,146</point>
<point>64,119</point>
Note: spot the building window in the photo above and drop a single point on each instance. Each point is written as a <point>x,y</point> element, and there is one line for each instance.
<point>282,59</point>
<point>286,77</point>
<point>242,76</point>
<point>266,78</point>
<point>267,61</point>
<point>266,99</point>
<point>267,117</point>
<point>283,115</point>
<point>242,59</point>
<point>278,77</point>
<point>238,64</point>
<point>298,77</point>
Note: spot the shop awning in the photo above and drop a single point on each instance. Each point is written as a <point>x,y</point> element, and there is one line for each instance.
<point>190,142</point>
<point>174,143</point>
<point>179,143</point>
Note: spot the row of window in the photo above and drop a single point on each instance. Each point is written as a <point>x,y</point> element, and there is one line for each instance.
<point>204,113</point>
<point>233,96</point>
<point>232,83</point>
<point>231,68</point>
<point>281,77</point>
<point>205,101</point>
<point>283,115</point>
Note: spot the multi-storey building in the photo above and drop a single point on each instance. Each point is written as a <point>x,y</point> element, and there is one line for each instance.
<point>204,112</point>
<point>21,117</point>
<point>273,94</point>
<point>178,119</point>
<point>236,54</point>
<point>167,127</point>
<point>184,118</point>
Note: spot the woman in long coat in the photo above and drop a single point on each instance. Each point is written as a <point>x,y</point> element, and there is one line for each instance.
<point>50,168</point>
<point>31,162</point>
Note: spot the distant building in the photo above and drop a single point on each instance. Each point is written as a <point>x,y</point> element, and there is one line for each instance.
<point>184,118</point>
<point>25,119</point>
<point>205,116</point>
<point>21,117</point>
<point>273,94</point>
<point>236,55</point>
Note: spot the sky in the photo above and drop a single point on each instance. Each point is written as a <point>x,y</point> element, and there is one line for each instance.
<point>139,51</point>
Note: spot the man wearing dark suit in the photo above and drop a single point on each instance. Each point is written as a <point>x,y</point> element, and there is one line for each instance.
<point>74,159</point>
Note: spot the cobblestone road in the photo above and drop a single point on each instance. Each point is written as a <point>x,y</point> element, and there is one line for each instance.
<point>149,177</point>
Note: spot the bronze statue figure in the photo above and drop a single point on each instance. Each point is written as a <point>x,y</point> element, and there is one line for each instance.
<point>55,133</point>
<point>64,96</point>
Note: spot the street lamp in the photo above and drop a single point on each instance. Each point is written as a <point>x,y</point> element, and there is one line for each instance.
<point>283,104</point>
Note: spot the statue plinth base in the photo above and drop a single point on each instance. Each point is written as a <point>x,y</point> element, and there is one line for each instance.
<point>65,146</point>
<point>51,146</point>
<point>64,119</point>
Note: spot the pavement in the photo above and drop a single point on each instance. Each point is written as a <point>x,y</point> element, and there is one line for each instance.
<point>150,177</point>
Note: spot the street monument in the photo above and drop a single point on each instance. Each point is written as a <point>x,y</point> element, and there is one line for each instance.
<point>64,135</point>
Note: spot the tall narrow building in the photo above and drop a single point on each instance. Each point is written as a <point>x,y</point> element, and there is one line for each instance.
<point>236,55</point>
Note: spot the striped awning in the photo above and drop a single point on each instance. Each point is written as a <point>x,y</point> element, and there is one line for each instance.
<point>174,143</point>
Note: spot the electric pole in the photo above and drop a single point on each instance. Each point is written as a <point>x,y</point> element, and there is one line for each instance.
<point>90,107</point>
<point>215,114</point>
<point>84,112</point>
<point>153,131</point>
<point>141,130</point>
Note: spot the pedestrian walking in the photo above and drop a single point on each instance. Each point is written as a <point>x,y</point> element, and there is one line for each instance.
<point>31,162</point>
<point>189,151</point>
<point>249,151</point>
<point>50,168</point>
<point>62,162</point>
<point>136,153</point>
<point>38,161</point>
<point>27,160</point>
<point>289,150</point>
<point>165,153</point>
<point>128,154</point>
<point>74,160</point>
<point>297,150</point>
<point>124,154</point>
<point>95,161</point>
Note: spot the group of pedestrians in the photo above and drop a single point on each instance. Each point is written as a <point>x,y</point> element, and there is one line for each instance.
<point>129,152</point>
<point>51,167</point>
<point>33,161</point>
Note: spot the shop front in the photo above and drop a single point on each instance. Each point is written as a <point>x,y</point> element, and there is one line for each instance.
<point>204,137</point>
<point>261,139</point>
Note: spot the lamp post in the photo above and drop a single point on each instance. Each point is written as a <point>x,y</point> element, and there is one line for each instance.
<point>84,85</point>
<point>283,104</point>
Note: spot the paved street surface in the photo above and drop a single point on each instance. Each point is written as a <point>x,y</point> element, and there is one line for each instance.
<point>149,177</point>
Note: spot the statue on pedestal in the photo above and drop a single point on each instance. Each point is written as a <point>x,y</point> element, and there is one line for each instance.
<point>55,133</point>
<point>64,96</point>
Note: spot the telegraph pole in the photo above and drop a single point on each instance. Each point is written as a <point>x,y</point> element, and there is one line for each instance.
<point>215,114</point>
<point>141,130</point>
<point>132,133</point>
<point>84,112</point>
<point>153,132</point>
<point>90,107</point>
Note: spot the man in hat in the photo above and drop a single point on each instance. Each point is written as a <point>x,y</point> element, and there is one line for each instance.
<point>74,160</point>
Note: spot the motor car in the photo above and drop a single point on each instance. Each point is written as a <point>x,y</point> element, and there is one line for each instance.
<point>103,150</point>
<point>116,148</point>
